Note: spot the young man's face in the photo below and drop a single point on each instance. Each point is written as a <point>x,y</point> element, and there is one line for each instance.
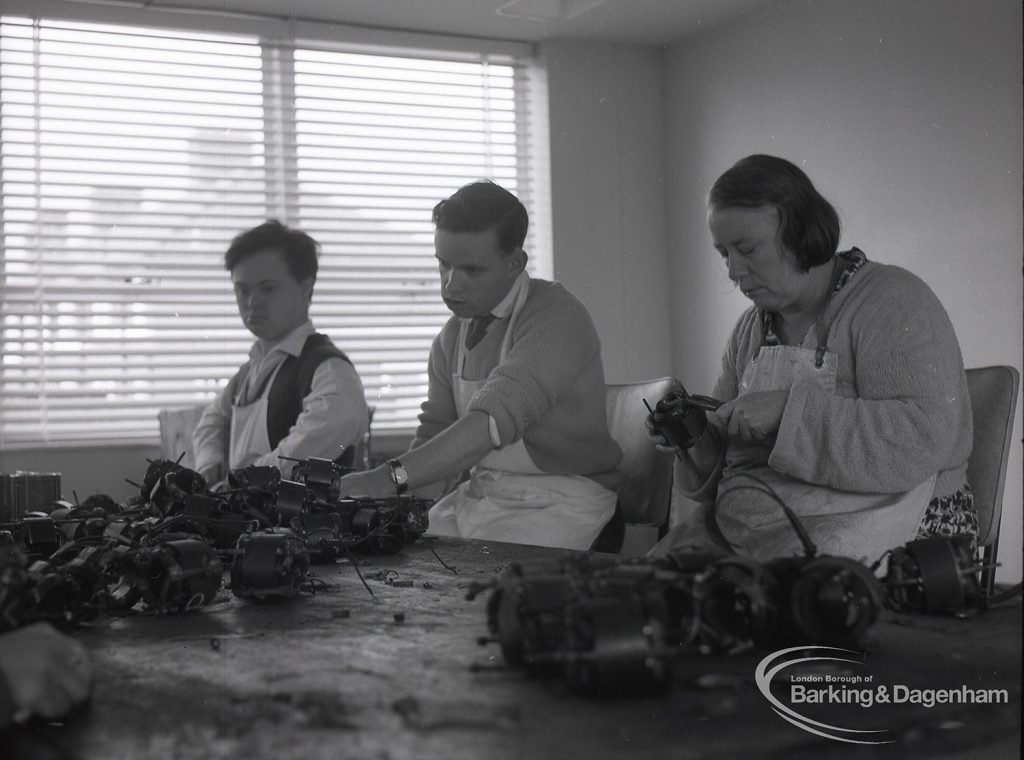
<point>270,301</point>
<point>475,274</point>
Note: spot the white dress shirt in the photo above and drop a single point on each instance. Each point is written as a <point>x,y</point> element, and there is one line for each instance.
<point>334,412</point>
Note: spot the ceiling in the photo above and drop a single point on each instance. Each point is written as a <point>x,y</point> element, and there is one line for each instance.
<point>650,22</point>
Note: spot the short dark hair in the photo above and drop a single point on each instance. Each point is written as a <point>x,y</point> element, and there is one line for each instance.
<point>479,206</point>
<point>298,249</point>
<point>808,224</point>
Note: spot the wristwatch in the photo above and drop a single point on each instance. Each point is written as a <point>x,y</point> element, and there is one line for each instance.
<point>399,476</point>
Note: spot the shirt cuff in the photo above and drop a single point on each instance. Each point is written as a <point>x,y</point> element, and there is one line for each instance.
<point>492,426</point>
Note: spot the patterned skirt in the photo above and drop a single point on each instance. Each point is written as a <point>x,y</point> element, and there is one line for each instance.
<point>952,515</point>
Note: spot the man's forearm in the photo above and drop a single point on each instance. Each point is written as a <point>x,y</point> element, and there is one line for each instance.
<point>449,453</point>
<point>437,460</point>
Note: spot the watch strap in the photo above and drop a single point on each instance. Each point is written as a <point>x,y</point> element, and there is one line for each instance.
<point>398,476</point>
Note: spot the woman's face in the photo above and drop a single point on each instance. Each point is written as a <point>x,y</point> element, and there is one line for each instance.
<point>766,271</point>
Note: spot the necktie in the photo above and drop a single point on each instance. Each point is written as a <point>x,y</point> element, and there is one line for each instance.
<point>477,329</point>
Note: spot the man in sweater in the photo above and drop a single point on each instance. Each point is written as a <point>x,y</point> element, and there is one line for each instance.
<point>516,393</point>
<point>298,396</point>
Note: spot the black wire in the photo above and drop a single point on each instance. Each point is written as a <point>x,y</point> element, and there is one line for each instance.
<point>380,528</point>
<point>878,562</point>
<point>443,563</point>
<point>763,487</point>
<point>355,566</point>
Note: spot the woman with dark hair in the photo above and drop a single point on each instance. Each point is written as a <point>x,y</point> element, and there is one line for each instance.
<point>844,388</point>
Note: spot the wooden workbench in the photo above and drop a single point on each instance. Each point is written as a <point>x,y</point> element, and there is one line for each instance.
<point>341,674</point>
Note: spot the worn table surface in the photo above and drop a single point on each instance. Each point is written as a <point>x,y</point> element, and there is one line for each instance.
<point>341,674</point>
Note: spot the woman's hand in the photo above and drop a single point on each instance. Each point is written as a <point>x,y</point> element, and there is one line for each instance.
<point>754,416</point>
<point>657,438</point>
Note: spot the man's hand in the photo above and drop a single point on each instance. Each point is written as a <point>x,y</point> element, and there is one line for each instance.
<point>47,672</point>
<point>375,483</point>
<point>754,416</point>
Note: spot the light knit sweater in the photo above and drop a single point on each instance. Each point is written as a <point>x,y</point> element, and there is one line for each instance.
<point>549,392</point>
<point>901,409</point>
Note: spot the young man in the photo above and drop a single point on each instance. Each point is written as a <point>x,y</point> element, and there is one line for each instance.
<point>516,392</point>
<point>297,396</point>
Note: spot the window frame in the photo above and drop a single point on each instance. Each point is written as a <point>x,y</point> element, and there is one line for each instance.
<point>278,38</point>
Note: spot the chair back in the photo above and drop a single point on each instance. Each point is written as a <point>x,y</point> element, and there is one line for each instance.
<point>176,427</point>
<point>645,490</point>
<point>993,392</point>
<point>363,456</point>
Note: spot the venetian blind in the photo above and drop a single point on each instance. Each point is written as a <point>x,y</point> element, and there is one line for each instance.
<point>130,157</point>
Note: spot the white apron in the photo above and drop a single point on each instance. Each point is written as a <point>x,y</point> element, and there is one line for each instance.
<point>857,525</point>
<point>249,438</point>
<point>507,497</point>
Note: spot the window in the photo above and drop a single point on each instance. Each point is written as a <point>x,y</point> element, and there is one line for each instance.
<point>129,158</point>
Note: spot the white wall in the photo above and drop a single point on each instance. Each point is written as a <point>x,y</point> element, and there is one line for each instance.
<point>907,115</point>
<point>607,195</point>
